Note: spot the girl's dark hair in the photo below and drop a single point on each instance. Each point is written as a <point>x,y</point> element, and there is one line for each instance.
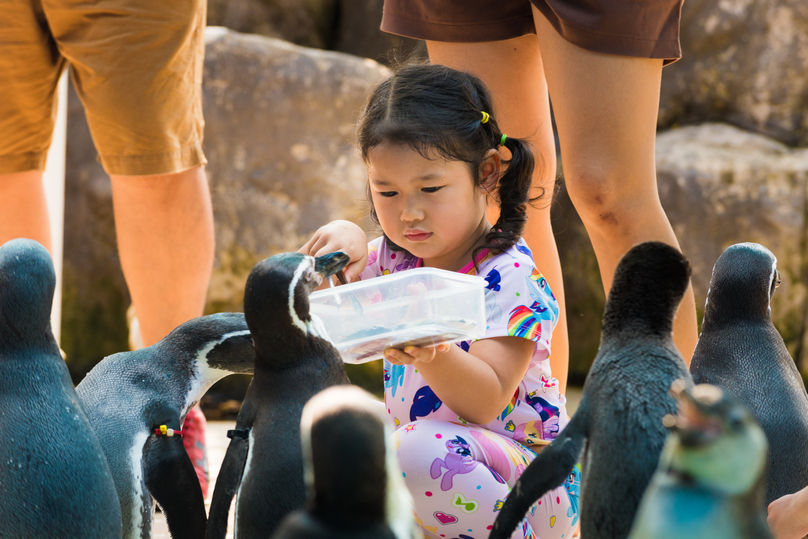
<point>438,110</point>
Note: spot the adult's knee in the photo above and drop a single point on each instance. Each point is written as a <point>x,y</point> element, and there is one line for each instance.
<point>608,202</point>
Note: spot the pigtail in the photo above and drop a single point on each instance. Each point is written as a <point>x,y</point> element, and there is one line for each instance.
<point>513,194</point>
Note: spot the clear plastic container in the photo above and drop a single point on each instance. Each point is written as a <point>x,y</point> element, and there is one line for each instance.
<point>419,307</point>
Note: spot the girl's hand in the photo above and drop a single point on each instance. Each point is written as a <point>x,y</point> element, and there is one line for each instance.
<point>343,236</point>
<point>414,354</point>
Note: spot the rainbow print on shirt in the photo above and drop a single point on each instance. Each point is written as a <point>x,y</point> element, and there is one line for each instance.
<point>524,323</point>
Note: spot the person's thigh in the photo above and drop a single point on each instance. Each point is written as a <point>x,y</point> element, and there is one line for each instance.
<point>30,66</point>
<point>606,110</point>
<point>137,67</point>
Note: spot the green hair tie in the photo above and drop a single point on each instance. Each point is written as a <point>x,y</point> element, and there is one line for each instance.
<point>502,141</point>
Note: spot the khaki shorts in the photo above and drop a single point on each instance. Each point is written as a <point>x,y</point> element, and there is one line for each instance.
<point>640,28</point>
<point>135,64</point>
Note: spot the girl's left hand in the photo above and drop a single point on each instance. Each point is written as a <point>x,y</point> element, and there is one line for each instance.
<point>414,354</point>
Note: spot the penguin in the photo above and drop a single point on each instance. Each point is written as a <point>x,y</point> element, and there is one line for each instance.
<point>618,424</point>
<point>294,360</point>
<point>740,351</point>
<point>54,479</point>
<point>355,487</point>
<point>710,480</point>
<point>137,401</point>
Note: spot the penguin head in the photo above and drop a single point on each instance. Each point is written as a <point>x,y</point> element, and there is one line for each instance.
<point>714,440</point>
<point>648,285</point>
<point>218,341</point>
<point>744,279</point>
<point>351,470</point>
<point>27,283</point>
<point>276,297</point>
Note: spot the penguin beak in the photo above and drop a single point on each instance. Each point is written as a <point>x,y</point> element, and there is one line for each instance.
<point>695,422</point>
<point>328,265</point>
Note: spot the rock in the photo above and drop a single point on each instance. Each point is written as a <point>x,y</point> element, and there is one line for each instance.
<point>310,23</point>
<point>279,128</point>
<point>280,121</point>
<point>744,62</point>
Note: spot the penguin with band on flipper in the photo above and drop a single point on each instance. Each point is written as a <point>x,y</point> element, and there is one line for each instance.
<point>137,401</point>
<point>740,351</point>
<point>618,424</point>
<point>294,359</point>
<point>355,487</point>
<point>711,475</point>
<point>54,479</point>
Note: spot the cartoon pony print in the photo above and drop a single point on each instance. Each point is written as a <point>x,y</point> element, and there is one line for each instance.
<point>493,279</point>
<point>458,461</point>
<point>500,454</point>
<point>573,486</point>
<point>373,254</point>
<point>424,403</point>
<point>524,249</point>
<point>393,376</point>
<point>493,312</point>
<point>542,282</point>
<point>526,321</point>
<point>528,433</point>
<point>511,405</point>
<point>408,261</point>
<point>548,414</point>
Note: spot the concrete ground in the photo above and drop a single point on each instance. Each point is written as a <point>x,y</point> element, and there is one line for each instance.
<point>217,441</point>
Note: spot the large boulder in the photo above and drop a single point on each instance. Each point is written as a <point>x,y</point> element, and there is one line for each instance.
<point>310,23</point>
<point>280,121</point>
<point>744,62</point>
<point>279,128</point>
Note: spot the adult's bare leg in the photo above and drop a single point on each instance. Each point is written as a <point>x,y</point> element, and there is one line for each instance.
<point>512,70</point>
<point>164,226</point>
<point>606,109</point>
<point>23,209</point>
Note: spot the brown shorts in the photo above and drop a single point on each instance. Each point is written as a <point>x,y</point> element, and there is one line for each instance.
<point>639,28</point>
<point>136,65</point>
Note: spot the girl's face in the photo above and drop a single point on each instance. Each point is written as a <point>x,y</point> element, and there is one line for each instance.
<point>430,207</point>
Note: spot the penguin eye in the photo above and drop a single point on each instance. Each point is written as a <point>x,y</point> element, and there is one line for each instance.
<point>735,421</point>
<point>776,278</point>
<point>309,275</point>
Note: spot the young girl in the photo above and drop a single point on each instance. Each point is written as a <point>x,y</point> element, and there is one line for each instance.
<point>467,416</point>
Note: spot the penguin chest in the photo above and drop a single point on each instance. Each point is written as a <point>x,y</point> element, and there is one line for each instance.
<point>272,481</point>
<point>136,505</point>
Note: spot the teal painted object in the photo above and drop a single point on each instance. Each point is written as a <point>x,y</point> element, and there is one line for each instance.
<point>710,479</point>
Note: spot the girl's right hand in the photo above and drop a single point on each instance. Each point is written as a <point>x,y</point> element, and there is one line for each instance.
<point>343,236</point>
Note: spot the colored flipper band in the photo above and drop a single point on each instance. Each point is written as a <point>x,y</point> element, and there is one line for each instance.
<point>165,431</point>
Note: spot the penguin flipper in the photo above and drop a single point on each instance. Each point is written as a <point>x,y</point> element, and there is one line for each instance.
<point>172,481</point>
<point>227,484</point>
<point>547,471</point>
